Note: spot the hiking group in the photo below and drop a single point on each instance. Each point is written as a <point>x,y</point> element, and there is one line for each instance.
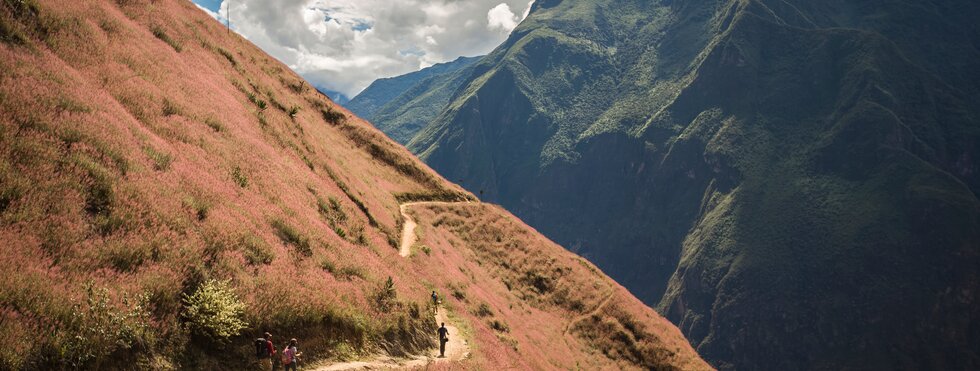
<point>266,352</point>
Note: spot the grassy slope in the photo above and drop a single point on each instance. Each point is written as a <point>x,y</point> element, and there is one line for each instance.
<point>145,150</point>
<point>717,155</point>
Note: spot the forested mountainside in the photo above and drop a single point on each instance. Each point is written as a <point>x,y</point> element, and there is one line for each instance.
<point>401,106</point>
<point>793,183</point>
<point>168,192</point>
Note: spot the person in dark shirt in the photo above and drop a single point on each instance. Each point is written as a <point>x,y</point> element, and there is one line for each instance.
<point>443,339</point>
<point>435,301</point>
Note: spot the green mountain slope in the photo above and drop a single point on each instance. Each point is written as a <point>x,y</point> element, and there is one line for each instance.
<point>402,105</point>
<point>793,183</point>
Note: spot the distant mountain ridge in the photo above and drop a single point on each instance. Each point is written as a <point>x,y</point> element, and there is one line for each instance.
<point>402,105</point>
<point>793,183</point>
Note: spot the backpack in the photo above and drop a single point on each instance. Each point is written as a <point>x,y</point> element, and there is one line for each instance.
<point>261,349</point>
<point>287,355</point>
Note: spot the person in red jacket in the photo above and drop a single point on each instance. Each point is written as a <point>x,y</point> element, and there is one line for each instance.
<point>265,355</point>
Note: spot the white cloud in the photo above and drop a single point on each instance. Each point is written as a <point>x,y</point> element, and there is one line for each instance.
<point>344,45</point>
<point>500,18</point>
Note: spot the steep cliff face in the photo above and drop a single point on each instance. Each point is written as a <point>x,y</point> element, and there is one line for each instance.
<point>793,183</point>
<point>169,192</point>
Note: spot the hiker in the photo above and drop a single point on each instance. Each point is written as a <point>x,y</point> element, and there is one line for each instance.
<point>290,356</point>
<point>264,350</point>
<point>435,301</point>
<point>443,339</point>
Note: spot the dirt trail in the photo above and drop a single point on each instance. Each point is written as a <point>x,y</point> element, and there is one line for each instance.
<point>408,228</point>
<point>408,231</point>
<point>456,349</point>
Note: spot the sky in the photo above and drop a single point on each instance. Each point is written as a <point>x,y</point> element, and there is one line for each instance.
<point>344,45</point>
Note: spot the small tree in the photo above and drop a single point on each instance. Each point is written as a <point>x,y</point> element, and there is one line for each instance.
<point>214,311</point>
<point>386,296</point>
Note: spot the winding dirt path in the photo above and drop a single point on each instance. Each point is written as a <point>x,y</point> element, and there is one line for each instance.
<point>408,227</point>
<point>457,348</point>
<point>408,231</point>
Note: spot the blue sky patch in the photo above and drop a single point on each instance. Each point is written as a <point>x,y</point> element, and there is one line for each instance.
<point>212,5</point>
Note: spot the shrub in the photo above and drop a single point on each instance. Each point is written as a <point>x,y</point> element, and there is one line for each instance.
<point>100,196</point>
<point>357,235</point>
<point>386,297</point>
<point>11,189</point>
<point>291,236</point>
<point>484,310</point>
<point>298,87</point>
<point>425,249</point>
<point>256,250</point>
<point>239,176</point>
<point>170,108</point>
<point>214,124</point>
<point>349,271</point>
<point>97,328</point>
<point>65,104</point>
<point>333,117</point>
<point>214,311</point>
<point>161,160</point>
<point>293,111</point>
<point>162,35</point>
<point>228,56</point>
<point>457,291</point>
<point>308,162</point>
<point>499,326</point>
<point>328,266</point>
<point>200,207</point>
<point>23,10</point>
<point>333,212</point>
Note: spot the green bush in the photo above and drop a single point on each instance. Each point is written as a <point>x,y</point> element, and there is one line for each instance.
<point>499,326</point>
<point>239,176</point>
<point>200,207</point>
<point>386,297</point>
<point>97,328</point>
<point>228,56</point>
<point>484,310</point>
<point>214,311</point>
<point>170,108</point>
<point>333,117</point>
<point>161,160</point>
<point>345,273</point>
<point>291,236</point>
<point>214,124</point>
<point>162,35</point>
<point>256,250</point>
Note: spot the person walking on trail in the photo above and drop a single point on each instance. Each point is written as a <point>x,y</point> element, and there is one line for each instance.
<point>435,301</point>
<point>290,356</point>
<point>443,339</point>
<point>264,350</point>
